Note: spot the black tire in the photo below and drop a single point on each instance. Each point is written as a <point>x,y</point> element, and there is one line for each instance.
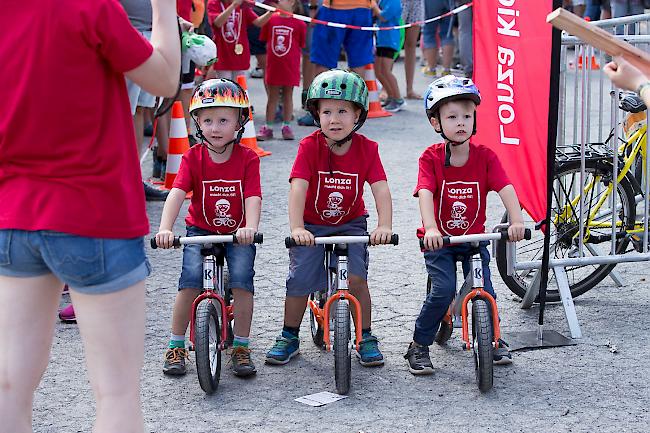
<point>316,330</point>
<point>342,350</point>
<point>581,278</point>
<point>207,340</point>
<point>482,338</point>
<point>229,332</point>
<point>446,329</point>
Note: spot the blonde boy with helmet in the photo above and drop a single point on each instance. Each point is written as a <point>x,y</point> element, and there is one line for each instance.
<point>454,178</point>
<point>218,170</point>
<point>335,159</point>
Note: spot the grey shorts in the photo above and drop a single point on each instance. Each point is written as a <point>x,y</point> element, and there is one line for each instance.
<point>307,272</point>
<point>137,96</point>
<point>412,11</point>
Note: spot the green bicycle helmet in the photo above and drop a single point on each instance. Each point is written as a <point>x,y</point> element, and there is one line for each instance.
<point>341,85</point>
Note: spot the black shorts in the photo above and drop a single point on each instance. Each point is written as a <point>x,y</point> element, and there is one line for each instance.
<point>389,53</point>
<point>189,77</point>
<point>257,47</point>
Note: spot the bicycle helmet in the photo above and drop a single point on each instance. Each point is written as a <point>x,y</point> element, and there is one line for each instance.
<point>449,88</point>
<point>341,85</point>
<point>220,92</point>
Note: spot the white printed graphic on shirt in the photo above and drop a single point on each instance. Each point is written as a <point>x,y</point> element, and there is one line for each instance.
<point>336,194</point>
<point>459,206</point>
<point>223,204</point>
<point>232,28</point>
<point>281,37</point>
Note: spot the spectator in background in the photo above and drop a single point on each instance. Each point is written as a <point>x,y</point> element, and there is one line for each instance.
<point>388,14</point>
<point>412,12</point>
<point>624,8</point>
<point>465,49</point>
<point>440,30</point>
<point>576,6</point>
<point>598,10</point>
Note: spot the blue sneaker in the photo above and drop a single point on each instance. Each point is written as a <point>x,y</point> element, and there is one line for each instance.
<point>306,120</point>
<point>286,347</point>
<point>368,353</point>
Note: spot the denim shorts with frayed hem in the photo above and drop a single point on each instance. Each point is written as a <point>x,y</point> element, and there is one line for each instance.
<point>87,265</point>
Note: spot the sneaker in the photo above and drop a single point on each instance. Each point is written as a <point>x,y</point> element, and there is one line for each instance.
<point>265,133</point>
<point>502,355</point>
<point>151,193</point>
<point>175,361</point>
<point>368,353</point>
<point>257,73</point>
<point>418,360</point>
<point>287,133</point>
<point>242,365</point>
<point>395,105</point>
<point>286,347</point>
<point>67,314</point>
<point>428,71</point>
<point>306,120</point>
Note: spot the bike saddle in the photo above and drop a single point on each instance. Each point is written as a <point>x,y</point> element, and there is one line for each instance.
<point>631,103</point>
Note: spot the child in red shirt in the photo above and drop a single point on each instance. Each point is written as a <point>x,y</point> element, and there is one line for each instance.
<point>285,39</point>
<point>453,182</point>
<point>326,198</point>
<point>229,20</point>
<point>225,180</point>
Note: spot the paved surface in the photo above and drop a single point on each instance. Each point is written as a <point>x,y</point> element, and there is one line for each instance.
<point>584,388</point>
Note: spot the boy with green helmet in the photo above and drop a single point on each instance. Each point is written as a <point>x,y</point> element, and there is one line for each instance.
<point>326,198</point>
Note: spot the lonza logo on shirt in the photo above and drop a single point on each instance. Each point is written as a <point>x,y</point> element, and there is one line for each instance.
<point>223,204</point>
<point>336,195</point>
<point>459,206</point>
<point>281,40</point>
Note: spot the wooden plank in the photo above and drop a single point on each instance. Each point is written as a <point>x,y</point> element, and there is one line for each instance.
<point>599,38</point>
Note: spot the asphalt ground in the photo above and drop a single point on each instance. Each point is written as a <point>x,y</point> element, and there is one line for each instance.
<point>584,388</point>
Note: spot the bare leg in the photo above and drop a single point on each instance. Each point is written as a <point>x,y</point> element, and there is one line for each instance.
<point>431,57</point>
<point>110,322</point>
<point>183,310</point>
<point>294,309</point>
<point>27,325</point>
<point>447,56</point>
<point>272,104</point>
<point>410,44</point>
<point>162,134</point>
<point>318,69</point>
<point>359,289</point>
<point>287,103</point>
<point>307,71</point>
<point>138,123</point>
<point>185,97</point>
<point>243,311</point>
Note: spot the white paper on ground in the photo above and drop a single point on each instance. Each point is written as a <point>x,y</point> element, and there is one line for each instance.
<point>320,398</point>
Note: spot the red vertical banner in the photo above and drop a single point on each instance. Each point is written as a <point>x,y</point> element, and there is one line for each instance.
<point>512,69</point>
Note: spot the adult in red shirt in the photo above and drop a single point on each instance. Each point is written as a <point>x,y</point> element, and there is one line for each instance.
<point>230,20</point>
<point>285,39</point>
<point>73,206</point>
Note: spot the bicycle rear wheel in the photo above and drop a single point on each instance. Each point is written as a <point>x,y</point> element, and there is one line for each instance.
<point>207,340</point>
<point>482,338</point>
<point>319,299</point>
<point>342,350</point>
<point>565,226</point>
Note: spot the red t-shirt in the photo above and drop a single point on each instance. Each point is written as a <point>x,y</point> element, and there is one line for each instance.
<point>335,193</point>
<point>68,157</point>
<point>285,39</point>
<point>234,31</point>
<point>460,193</point>
<point>219,190</point>
<point>184,9</point>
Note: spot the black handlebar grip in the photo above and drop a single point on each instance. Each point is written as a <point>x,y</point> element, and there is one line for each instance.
<point>290,242</point>
<point>528,234</point>
<point>394,239</point>
<point>177,241</point>
<point>153,243</point>
<point>421,243</point>
<point>446,240</point>
<point>258,238</point>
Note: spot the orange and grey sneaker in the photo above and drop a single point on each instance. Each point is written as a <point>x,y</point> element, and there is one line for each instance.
<point>242,364</point>
<point>175,361</point>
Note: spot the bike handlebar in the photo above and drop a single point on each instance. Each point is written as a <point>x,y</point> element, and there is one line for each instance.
<point>289,242</point>
<point>258,238</point>
<point>464,239</point>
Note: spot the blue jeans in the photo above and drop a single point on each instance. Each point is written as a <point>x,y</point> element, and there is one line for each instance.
<point>239,258</point>
<point>441,267</point>
<point>87,265</point>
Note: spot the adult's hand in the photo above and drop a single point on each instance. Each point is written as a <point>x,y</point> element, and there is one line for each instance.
<point>624,75</point>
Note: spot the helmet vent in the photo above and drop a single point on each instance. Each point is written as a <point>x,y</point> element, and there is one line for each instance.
<point>324,85</point>
<point>343,86</point>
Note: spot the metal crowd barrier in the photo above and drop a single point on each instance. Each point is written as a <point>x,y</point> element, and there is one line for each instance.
<point>588,113</point>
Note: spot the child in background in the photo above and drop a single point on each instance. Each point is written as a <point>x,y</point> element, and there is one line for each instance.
<point>388,14</point>
<point>229,20</point>
<point>285,38</point>
<point>225,180</point>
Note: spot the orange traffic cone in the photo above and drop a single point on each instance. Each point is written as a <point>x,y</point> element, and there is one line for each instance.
<point>374,109</point>
<point>178,144</point>
<point>249,138</point>
<point>594,64</point>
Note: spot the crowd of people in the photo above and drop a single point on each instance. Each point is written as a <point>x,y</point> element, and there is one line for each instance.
<point>71,215</point>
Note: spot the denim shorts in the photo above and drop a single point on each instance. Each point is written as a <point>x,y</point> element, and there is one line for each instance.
<point>240,260</point>
<point>87,265</point>
<point>307,264</point>
<point>326,41</point>
<point>437,29</point>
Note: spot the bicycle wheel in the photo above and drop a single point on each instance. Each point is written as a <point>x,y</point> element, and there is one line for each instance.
<point>564,230</point>
<point>229,331</point>
<point>445,330</point>
<point>342,351</point>
<point>207,339</point>
<point>317,330</point>
<point>482,339</point>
